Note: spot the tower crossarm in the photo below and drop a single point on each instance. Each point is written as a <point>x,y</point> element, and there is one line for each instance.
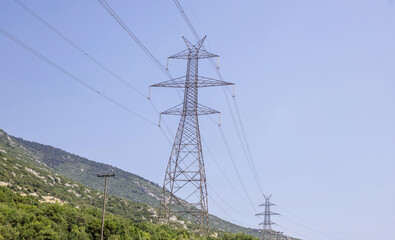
<point>193,51</point>
<point>266,213</point>
<point>267,204</point>
<point>201,82</point>
<point>268,223</point>
<point>201,110</point>
<point>198,54</point>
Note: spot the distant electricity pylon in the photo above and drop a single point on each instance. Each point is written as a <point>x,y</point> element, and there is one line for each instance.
<point>185,174</point>
<point>267,232</point>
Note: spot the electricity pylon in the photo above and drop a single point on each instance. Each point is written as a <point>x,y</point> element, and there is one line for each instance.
<point>267,232</point>
<point>184,187</point>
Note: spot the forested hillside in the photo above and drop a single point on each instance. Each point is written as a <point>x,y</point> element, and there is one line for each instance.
<point>31,172</point>
<point>124,185</point>
<point>22,172</point>
<point>28,218</point>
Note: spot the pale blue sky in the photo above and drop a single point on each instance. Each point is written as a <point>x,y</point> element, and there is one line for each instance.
<point>314,83</point>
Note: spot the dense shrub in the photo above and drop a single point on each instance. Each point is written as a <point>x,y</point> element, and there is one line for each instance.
<point>24,217</point>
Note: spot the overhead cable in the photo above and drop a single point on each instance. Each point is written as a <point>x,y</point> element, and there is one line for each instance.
<point>107,7</point>
<point>97,62</point>
<point>226,213</point>
<point>74,45</point>
<point>236,169</point>
<point>311,229</point>
<point>296,233</point>
<point>221,170</point>
<point>315,224</point>
<point>243,145</point>
<point>74,77</point>
<point>226,203</point>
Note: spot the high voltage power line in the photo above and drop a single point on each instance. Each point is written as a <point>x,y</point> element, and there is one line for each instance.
<point>124,26</point>
<point>164,69</point>
<point>97,62</point>
<point>251,166</point>
<point>82,51</point>
<point>328,230</point>
<point>108,8</point>
<point>309,228</point>
<point>226,213</point>
<point>235,167</point>
<point>221,170</point>
<point>294,232</point>
<point>170,18</point>
<point>83,83</point>
<point>74,45</point>
<point>226,203</point>
<point>117,77</point>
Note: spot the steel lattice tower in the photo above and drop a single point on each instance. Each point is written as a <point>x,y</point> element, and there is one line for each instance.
<point>184,186</point>
<point>267,223</point>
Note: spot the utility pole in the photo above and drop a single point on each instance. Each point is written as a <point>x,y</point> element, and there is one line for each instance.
<point>185,174</point>
<point>104,201</point>
<point>267,231</point>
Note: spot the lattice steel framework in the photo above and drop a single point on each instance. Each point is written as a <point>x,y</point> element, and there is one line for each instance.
<point>184,186</point>
<point>267,232</point>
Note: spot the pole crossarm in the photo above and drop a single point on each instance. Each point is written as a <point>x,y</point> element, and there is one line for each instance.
<point>200,82</point>
<point>105,175</point>
<point>179,110</point>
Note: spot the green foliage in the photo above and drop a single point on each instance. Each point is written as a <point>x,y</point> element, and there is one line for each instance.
<point>22,217</point>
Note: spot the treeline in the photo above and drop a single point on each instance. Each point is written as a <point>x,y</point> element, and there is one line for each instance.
<point>24,217</point>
